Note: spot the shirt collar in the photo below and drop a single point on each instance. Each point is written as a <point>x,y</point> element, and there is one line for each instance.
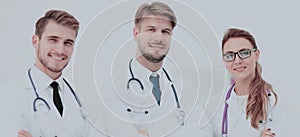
<point>42,81</point>
<point>139,70</point>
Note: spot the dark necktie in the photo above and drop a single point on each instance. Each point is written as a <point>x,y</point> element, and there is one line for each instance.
<point>56,97</point>
<point>156,88</point>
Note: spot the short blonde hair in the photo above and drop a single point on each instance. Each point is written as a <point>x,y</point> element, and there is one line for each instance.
<point>155,8</point>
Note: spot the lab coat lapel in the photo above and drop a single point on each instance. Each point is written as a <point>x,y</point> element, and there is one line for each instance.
<point>232,104</point>
<point>234,115</point>
<point>71,110</point>
<point>240,125</point>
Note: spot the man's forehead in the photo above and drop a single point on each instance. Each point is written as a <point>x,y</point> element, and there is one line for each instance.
<point>159,17</point>
<point>150,21</point>
<point>58,30</point>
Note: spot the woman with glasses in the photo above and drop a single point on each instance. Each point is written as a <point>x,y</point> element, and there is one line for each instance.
<point>250,107</point>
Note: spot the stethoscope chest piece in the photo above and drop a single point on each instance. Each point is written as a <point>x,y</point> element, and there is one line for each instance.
<point>180,115</point>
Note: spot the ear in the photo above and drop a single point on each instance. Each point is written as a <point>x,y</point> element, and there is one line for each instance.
<point>257,53</point>
<point>35,41</point>
<point>135,33</point>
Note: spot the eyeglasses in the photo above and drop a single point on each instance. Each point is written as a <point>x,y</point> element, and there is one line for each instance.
<point>244,53</point>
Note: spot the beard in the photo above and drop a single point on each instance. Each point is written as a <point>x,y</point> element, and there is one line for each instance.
<point>48,65</point>
<point>153,59</point>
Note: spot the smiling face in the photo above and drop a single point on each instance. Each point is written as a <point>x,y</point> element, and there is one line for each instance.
<point>54,48</point>
<point>153,36</point>
<point>241,69</point>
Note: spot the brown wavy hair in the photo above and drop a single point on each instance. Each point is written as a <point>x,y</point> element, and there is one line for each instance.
<point>257,104</point>
<point>60,17</point>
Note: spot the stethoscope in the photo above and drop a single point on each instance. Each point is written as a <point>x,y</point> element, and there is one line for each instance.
<point>180,114</point>
<point>38,98</point>
<point>225,116</point>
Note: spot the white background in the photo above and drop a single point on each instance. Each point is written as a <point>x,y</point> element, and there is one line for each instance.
<point>275,25</point>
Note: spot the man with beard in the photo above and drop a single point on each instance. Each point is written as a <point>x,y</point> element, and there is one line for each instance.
<point>150,78</point>
<point>49,105</point>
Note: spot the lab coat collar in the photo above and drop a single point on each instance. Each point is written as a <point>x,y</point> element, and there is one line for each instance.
<point>140,70</point>
<point>232,102</point>
<point>42,81</point>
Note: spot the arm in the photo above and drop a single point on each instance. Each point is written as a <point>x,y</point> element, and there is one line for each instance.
<point>23,133</point>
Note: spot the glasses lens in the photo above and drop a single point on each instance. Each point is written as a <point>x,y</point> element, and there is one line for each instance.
<point>244,53</point>
<point>229,57</point>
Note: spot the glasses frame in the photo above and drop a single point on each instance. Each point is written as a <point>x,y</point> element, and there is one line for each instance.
<point>238,53</point>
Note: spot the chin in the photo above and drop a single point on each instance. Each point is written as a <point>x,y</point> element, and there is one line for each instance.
<point>57,69</point>
<point>241,77</point>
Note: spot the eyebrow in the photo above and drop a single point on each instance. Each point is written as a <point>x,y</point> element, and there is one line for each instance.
<point>150,26</point>
<point>236,51</point>
<point>165,29</point>
<point>69,40</point>
<point>56,37</point>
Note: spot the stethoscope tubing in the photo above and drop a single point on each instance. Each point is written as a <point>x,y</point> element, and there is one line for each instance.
<point>42,99</point>
<point>180,114</point>
<point>224,129</point>
<point>133,78</point>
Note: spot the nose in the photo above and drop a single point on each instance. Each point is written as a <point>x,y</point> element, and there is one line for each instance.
<point>158,36</point>
<point>237,60</point>
<point>60,48</point>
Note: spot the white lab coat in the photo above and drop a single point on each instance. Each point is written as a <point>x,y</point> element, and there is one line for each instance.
<point>160,120</point>
<point>192,127</point>
<point>238,125</point>
<point>46,122</point>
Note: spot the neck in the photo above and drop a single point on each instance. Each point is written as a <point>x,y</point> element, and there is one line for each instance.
<point>241,88</point>
<point>149,65</point>
<point>51,74</point>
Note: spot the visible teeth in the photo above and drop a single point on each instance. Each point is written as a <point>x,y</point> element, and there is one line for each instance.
<point>240,68</point>
<point>58,58</point>
<point>156,46</point>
